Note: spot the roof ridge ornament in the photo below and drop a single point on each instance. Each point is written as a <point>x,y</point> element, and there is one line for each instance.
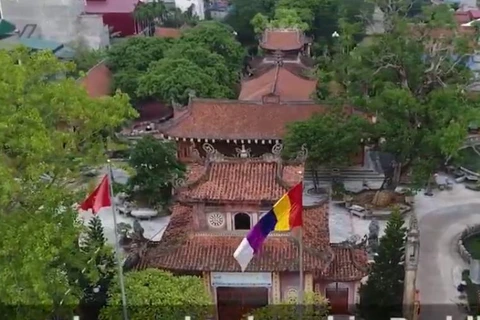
<point>243,152</point>
<point>212,153</point>
<point>302,154</point>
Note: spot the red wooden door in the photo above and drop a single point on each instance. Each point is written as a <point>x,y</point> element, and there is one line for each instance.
<point>234,303</point>
<point>338,298</point>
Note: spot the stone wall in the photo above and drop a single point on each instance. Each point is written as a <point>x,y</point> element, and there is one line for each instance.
<point>467,233</point>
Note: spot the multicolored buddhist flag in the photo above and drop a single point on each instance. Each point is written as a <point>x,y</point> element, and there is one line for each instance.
<point>285,215</point>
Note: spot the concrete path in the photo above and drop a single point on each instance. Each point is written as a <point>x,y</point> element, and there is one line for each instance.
<point>441,219</point>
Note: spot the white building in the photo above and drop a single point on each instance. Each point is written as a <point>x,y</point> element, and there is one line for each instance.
<point>57,20</point>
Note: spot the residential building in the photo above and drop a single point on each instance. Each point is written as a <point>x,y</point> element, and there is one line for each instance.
<point>116,14</point>
<point>56,20</point>
<point>218,202</point>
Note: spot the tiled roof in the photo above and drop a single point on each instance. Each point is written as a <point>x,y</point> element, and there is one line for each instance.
<point>167,32</point>
<point>284,40</point>
<point>183,249</point>
<point>462,17</point>
<point>279,81</point>
<point>240,180</point>
<point>98,81</point>
<point>231,119</point>
<point>349,264</point>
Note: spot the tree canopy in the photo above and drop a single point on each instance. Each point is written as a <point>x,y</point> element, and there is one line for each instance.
<point>218,38</point>
<point>175,80</point>
<point>283,18</point>
<point>50,130</point>
<point>381,297</point>
<point>156,167</point>
<point>331,138</point>
<point>153,294</point>
<point>207,60</point>
<point>415,78</point>
<point>319,17</point>
<point>131,58</point>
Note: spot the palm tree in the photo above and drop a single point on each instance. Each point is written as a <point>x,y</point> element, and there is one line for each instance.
<point>151,13</point>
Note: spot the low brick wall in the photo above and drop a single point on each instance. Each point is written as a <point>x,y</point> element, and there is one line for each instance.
<point>467,233</point>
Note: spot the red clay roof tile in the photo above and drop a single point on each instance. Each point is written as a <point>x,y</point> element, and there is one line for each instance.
<point>281,82</point>
<point>167,32</point>
<point>231,119</point>
<point>98,81</point>
<point>240,180</point>
<point>181,248</point>
<point>349,264</point>
<point>184,249</point>
<point>283,40</point>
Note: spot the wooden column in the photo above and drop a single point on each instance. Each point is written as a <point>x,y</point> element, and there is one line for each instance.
<point>308,282</point>
<point>206,283</point>
<point>276,288</point>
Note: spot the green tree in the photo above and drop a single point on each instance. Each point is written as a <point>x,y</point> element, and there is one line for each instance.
<point>332,139</point>
<point>129,59</point>
<point>283,18</point>
<point>49,126</point>
<point>38,252</point>
<point>150,12</point>
<point>241,15</point>
<point>49,130</point>
<point>315,306</point>
<point>323,16</point>
<point>156,167</point>
<point>86,58</point>
<point>155,294</point>
<point>213,64</point>
<point>415,78</point>
<point>102,258</point>
<point>176,79</point>
<point>381,297</point>
<point>218,38</point>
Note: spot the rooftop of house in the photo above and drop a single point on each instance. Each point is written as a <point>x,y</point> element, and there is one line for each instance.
<point>98,81</point>
<point>183,248</point>
<point>283,39</point>
<point>58,49</point>
<point>110,6</point>
<point>162,32</point>
<point>279,81</point>
<point>256,180</point>
<point>234,119</point>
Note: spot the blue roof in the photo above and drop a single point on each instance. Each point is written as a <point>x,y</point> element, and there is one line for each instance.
<point>40,44</point>
<point>65,53</point>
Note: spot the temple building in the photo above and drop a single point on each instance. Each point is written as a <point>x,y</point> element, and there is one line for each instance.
<point>283,70</point>
<point>220,199</point>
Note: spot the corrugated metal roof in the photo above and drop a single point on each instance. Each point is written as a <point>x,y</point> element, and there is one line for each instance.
<point>40,44</point>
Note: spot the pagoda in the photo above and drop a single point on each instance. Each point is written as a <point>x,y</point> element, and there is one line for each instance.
<point>223,197</point>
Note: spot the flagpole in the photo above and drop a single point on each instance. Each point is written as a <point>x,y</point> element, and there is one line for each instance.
<point>300,266</point>
<point>117,243</point>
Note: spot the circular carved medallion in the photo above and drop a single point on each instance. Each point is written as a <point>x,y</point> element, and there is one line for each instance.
<point>216,220</point>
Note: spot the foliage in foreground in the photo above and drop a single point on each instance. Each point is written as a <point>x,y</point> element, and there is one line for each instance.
<point>315,306</point>
<point>156,294</point>
<point>381,297</point>
<point>49,130</point>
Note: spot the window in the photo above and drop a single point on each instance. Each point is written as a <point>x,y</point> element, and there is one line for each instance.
<point>242,221</point>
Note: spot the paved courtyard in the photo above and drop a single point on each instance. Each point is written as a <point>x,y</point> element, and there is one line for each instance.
<point>441,219</point>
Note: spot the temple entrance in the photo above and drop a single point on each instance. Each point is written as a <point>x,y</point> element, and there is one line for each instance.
<point>233,303</point>
<point>338,298</point>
